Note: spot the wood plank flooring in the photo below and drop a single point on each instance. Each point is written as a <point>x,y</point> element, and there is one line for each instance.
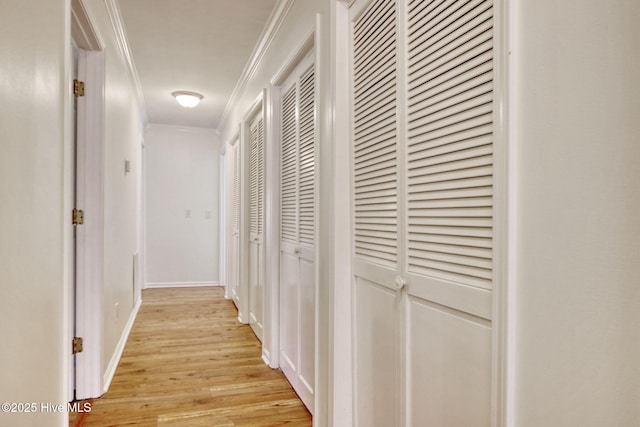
<point>188,362</point>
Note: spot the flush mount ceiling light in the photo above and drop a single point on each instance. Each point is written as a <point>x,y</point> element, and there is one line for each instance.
<point>187,99</point>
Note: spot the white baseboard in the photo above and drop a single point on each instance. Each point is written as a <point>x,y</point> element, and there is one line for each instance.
<point>117,354</point>
<point>266,358</point>
<point>179,284</point>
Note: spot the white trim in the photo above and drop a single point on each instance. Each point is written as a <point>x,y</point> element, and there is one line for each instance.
<point>294,59</point>
<point>113,10</point>
<point>66,366</point>
<point>117,354</point>
<point>271,339</point>
<point>223,218</point>
<point>340,369</point>
<point>182,128</point>
<point>83,29</point>
<point>504,197</point>
<point>271,342</point>
<point>324,229</point>
<point>265,356</point>
<point>180,284</point>
<point>508,14</point>
<point>255,109</point>
<point>276,19</point>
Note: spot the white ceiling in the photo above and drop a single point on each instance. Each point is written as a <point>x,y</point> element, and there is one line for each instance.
<point>195,45</point>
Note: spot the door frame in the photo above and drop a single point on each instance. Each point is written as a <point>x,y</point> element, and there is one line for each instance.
<point>308,46</point>
<point>88,263</point>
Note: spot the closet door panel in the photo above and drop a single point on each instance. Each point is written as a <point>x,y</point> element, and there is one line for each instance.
<point>289,314</point>
<point>376,358</point>
<point>449,218</point>
<point>307,331</point>
<point>458,390</point>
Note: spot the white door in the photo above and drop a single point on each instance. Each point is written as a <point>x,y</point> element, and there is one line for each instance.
<point>233,258</point>
<point>297,230</point>
<point>256,225</point>
<point>422,108</point>
<point>89,233</point>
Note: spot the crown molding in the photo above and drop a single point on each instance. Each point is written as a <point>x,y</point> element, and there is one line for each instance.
<point>182,128</point>
<point>113,10</point>
<point>270,30</point>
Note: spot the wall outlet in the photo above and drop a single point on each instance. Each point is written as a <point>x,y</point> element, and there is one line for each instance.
<point>117,310</point>
<point>187,213</point>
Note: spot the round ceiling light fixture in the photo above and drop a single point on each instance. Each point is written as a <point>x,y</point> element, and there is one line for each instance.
<point>187,99</point>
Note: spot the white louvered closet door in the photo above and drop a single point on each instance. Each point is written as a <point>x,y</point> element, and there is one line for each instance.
<point>423,196</point>
<point>256,225</point>
<point>297,230</point>
<point>234,240</point>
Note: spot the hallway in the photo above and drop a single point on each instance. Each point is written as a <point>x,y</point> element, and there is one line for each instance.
<point>188,362</point>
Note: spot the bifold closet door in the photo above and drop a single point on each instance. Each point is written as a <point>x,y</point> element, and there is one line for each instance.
<point>422,108</point>
<point>256,225</point>
<point>297,231</point>
<point>234,238</point>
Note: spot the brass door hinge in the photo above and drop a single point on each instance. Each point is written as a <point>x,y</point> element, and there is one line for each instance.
<point>78,88</point>
<point>76,345</point>
<point>78,217</point>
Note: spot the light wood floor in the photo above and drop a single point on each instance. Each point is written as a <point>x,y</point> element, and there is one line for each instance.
<point>188,362</point>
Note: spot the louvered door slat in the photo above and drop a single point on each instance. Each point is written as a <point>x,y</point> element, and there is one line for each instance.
<point>377,14</point>
<point>478,87</point>
<point>375,131</point>
<point>253,178</point>
<point>384,128</point>
<point>450,153</point>
<point>462,241</point>
<point>288,168</point>
<point>260,172</point>
<point>384,192</point>
<point>450,27</point>
<point>307,158</point>
<point>445,114</point>
<point>426,95</point>
<point>385,52</point>
<point>467,56</point>
<point>476,134</point>
<point>422,13</point>
<point>467,158</point>
<point>386,88</point>
<point>373,115</point>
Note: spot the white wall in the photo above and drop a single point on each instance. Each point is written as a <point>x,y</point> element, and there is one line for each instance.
<point>182,174</point>
<point>576,132</point>
<point>35,141</point>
